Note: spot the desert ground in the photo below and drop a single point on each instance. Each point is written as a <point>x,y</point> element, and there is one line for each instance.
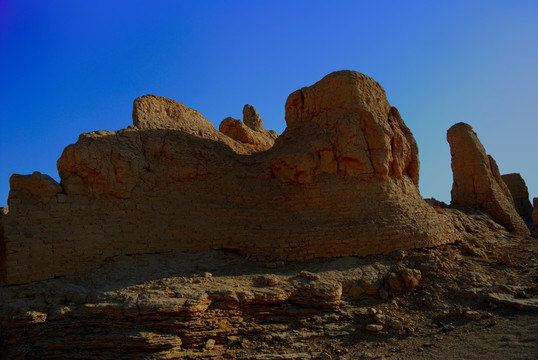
<point>473,299</point>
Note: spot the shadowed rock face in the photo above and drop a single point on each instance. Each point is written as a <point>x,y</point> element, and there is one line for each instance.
<point>477,181</point>
<point>341,180</point>
<point>535,215</point>
<point>520,194</point>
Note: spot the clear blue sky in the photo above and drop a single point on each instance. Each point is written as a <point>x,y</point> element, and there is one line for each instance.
<point>68,67</point>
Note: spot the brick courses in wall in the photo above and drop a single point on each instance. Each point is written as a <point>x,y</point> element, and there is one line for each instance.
<point>341,180</point>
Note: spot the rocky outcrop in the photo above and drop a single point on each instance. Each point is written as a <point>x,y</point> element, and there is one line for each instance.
<point>152,112</point>
<point>216,304</point>
<point>477,181</point>
<point>157,305</point>
<point>250,130</point>
<point>344,124</point>
<point>36,185</point>
<point>341,180</point>
<point>520,194</point>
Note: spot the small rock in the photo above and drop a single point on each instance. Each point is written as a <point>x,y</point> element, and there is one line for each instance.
<point>209,344</point>
<point>279,263</point>
<point>411,278</point>
<point>395,324</point>
<point>374,327</point>
<point>471,314</point>
<point>308,275</point>
<point>271,265</point>
<point>270,280</point>
<point>380,318</point>
<point>233,339</point>
<point>372,311</point>
<point>445,327</point>
<point>208,275</point>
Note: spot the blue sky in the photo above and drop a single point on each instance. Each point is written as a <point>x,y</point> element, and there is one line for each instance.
<point>68,67</point>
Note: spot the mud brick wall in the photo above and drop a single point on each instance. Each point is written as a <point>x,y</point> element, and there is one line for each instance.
<point>61,235</point>
<point>341,180</point>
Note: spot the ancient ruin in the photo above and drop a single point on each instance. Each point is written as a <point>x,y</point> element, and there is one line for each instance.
<point>520,194</point>
<point>172,239</point>
<point>341,180</point>
<point>477,181</point>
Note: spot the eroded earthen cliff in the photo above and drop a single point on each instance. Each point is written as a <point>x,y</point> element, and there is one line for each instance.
<point>520,194</point>
<point>477,181</point>
<point>341,180</point>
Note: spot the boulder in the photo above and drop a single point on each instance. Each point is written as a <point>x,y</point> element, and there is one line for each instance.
<point>477,181</point>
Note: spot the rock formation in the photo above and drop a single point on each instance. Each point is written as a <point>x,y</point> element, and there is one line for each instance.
<point>520,194</point>
<point>341,180</point>
<point>477,181</point>
<point>535,215</point>
<point>217,305</point>
<point>250,131</point>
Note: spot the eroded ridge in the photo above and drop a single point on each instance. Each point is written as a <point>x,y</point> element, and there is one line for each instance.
<point>341,180</point>
<point>477,180</point>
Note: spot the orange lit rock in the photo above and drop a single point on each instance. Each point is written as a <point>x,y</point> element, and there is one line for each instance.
<point>341,180</point>
<point>477,181</point>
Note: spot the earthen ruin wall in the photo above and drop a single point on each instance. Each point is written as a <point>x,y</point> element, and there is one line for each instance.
<point>62,235</point>
<point>341,180</point>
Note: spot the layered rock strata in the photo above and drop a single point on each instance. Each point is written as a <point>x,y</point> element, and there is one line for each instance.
<point>341,180</point>
<point>477,181</point>
<point>520,194</point>
<point>217,305</point>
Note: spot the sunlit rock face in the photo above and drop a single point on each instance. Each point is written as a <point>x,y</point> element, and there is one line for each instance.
<point>341,180</point>
<point>477,181</point>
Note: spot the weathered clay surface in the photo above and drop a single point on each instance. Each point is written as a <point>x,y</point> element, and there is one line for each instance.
<point>520,194</point>
<point>35,185</point>
<point>477,181</point>
<point>341,180</point>
<point>250,130</point>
